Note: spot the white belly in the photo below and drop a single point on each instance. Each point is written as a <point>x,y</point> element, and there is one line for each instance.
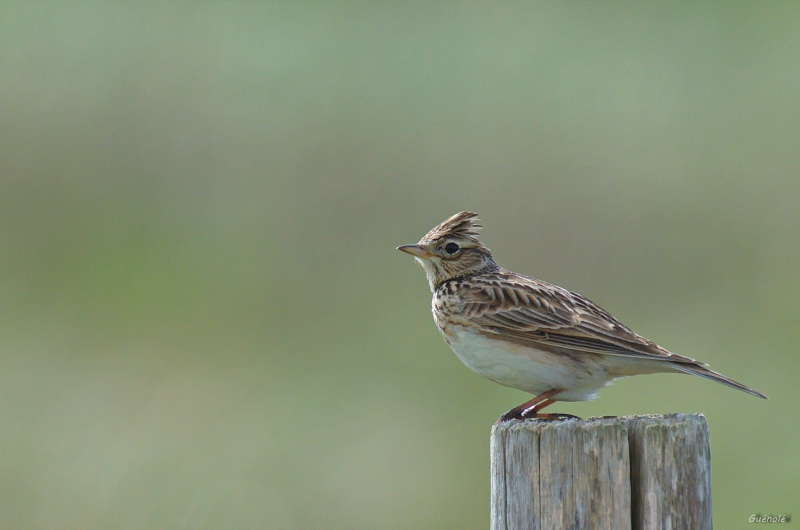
<point>526,368</point>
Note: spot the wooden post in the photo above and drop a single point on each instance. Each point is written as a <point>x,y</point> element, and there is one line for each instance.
<point>639,473</point>
<point>670,471</point>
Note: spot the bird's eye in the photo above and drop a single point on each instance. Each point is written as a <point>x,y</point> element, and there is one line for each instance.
<point>451,248</point>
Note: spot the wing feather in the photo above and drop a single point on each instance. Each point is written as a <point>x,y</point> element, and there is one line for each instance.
<point>533,311</point>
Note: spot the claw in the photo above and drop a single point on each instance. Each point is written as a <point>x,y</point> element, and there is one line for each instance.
<point>555,416</point>
<point>511,415</point>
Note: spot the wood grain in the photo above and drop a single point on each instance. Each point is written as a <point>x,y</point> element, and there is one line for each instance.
<point>670,471</point>
<point>648,472</point>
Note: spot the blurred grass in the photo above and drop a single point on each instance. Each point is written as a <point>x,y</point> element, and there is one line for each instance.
<point>204,321</point>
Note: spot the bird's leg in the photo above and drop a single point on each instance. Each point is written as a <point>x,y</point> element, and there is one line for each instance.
<point>534,412</point>
<point>537,403</point>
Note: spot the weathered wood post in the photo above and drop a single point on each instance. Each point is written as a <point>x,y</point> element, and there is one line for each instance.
<point>639,473</point>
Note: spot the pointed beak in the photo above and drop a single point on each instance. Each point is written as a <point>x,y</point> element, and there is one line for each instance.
<point>415,250</point>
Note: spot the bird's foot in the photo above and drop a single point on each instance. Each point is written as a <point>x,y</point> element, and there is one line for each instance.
<point>511,415</point>
<point>514,414</point>
<point>530,409</point>
<point>551,416</point>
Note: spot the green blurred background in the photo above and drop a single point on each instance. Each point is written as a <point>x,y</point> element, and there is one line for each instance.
<point>205,323</point>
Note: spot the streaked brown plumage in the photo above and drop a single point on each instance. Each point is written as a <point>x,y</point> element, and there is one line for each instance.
<point>528,334</point>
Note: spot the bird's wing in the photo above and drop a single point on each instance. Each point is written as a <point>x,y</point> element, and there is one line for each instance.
<point>531,311</point>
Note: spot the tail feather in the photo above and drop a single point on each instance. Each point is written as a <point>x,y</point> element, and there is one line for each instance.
<point>702,371</point>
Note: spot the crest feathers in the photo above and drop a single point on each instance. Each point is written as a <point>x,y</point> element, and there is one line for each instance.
<point>462,225</point>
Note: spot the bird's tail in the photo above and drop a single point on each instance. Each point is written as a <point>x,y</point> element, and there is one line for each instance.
<point>702,371</point>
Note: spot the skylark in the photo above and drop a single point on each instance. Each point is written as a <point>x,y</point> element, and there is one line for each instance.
<point>528,334</point>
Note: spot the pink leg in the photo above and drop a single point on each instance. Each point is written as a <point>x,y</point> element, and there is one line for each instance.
<point>536,404</point>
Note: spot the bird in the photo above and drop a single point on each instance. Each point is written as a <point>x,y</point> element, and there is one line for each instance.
<point>528,334</point>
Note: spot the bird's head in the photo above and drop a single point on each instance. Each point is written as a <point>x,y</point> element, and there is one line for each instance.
<point>452,250</point>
